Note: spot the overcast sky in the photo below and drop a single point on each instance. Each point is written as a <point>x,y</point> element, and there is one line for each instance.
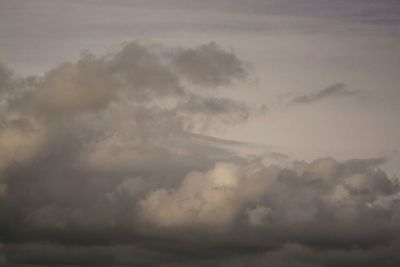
<point>199,133</point>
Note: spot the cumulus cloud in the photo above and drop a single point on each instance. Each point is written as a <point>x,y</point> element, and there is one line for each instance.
<point>104,161</point>
<point>233,213</point>
<point>291,197</point>
<point>202,198</point>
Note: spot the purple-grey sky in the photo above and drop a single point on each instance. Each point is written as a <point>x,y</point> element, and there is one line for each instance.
<point>199,133</point>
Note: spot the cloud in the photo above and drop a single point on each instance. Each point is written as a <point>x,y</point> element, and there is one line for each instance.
<point>140,75</point>
<point>211,111</point>
<point>258,215</point>
<point>232,213</point>
<point>120,112</point>
<point>104,161</point>
<point>334,90</point>
<point>292,196</point>
<point>21,139</point>
<point>5,78</point>
<point>202,198</point>
<point>209,65</point>
<point>93,83</point>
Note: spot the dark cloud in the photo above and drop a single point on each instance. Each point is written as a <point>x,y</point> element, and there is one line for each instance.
<point>323,213</point>
<point>102,164</point>
<point>5,78</point>
<point>369,11</point>
<point>334,90</point>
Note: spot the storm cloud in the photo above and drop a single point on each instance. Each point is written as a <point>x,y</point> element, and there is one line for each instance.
<point>106,161</point>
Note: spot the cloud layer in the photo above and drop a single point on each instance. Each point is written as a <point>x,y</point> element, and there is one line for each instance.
<point>103,162</point>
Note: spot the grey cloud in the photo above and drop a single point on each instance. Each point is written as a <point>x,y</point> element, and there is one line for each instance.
<point>5,78</point>
<point>334,90</point>
<point>8,84</point>
<point>93,83</point>
<point>100,165</point>
<point>101,116</point>
<point>125,102</point>
<point>212,111</point>
<point>322,186</point>
<point>144,72</point>
<point>323,213</point>
<point>370,11</point>
<point>136,74</point>
<point>75,88</point>
<point>209,65</point>
<point>293,255</point>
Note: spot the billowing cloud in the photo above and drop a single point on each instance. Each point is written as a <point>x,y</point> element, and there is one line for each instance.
<point>291,197</point>
<point>232,213</point>
<point>104,161</point>
<point>202,198</point>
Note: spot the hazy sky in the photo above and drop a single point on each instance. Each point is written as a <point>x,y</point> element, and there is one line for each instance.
<point>199,133</point>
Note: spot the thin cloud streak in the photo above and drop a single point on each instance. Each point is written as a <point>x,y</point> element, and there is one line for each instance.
<point>334,90</point>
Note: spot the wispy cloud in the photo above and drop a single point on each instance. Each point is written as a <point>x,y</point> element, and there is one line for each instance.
<point>334,90</point>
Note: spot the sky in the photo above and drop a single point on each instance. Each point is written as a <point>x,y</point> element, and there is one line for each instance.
<point>199,133</point>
